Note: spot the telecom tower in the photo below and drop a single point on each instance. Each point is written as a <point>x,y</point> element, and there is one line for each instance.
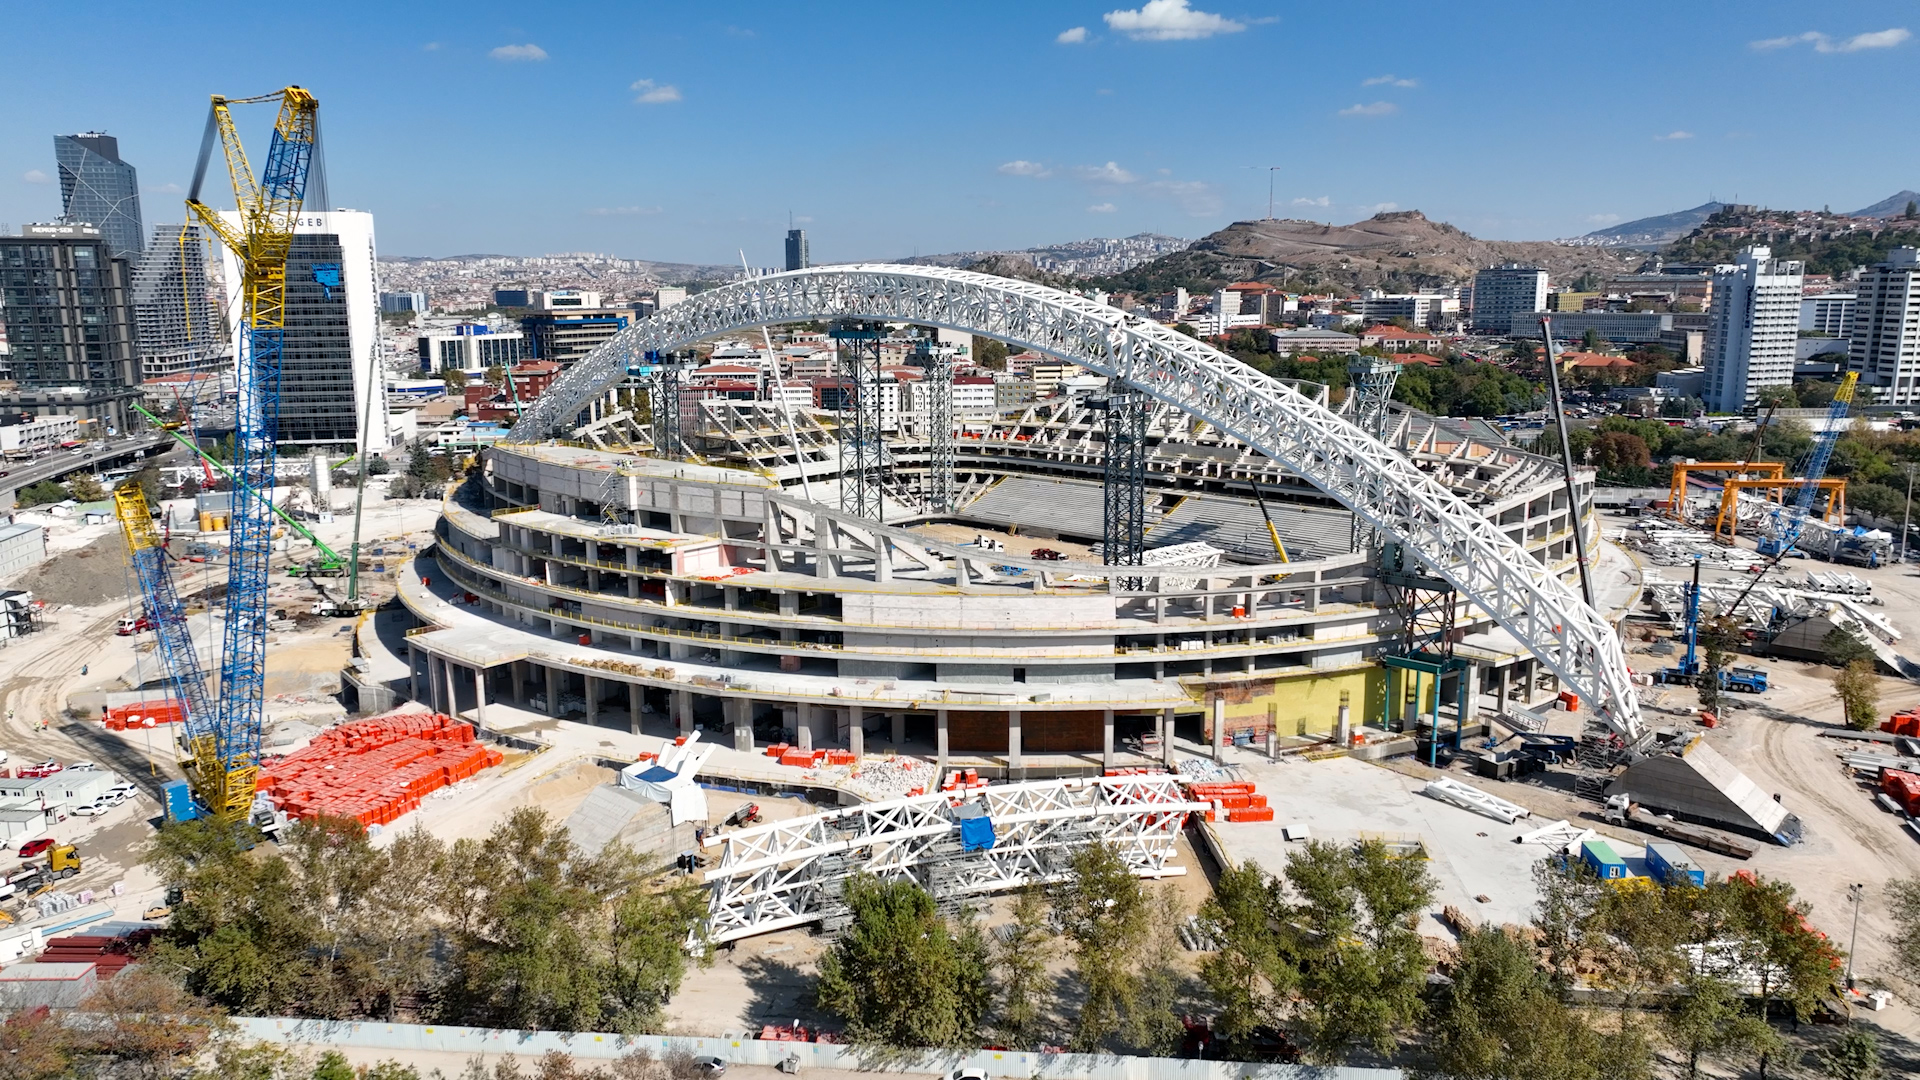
<point>937,361</point>
<point>863,449</point>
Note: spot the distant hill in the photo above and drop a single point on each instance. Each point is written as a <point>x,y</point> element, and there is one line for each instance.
<point>1078,258</point>
<point>1891,206</point>
<point>1828,243</point>
<point>1652,232</point>
<point>1400,250</point>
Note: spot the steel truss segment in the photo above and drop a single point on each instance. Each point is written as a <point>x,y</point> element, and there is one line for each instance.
<point>790,873</point>
<point>1385,489</point>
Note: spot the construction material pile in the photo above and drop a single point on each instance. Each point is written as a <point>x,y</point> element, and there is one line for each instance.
<point>1903,788</point>
<point>1237,798</point>
<point>145,714</point>
<point>376,770</point>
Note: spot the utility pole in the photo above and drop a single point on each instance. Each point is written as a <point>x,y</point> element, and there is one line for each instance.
<point>1906,514</point>
<point>1855,892</point>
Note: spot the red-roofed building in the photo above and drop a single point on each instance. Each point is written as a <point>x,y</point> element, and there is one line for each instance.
<point>1587,361</point>
<point>1394,339</point>
<point>1427,359</point>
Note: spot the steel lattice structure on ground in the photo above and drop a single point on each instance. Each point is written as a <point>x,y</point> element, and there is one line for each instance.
<point>789,873</point>
<point>1124,475</point>
<point>1444,532</point>
<point>942,452</point>
<point>149,558</point>
<point>228,763</point>
<point>863,449</point>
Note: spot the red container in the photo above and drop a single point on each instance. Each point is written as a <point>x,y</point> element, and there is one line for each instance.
<point>1251,813</point>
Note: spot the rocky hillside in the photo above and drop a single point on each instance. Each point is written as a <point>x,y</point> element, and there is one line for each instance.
<point>1401,250</point>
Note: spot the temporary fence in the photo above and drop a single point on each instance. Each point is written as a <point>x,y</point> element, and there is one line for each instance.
<point>141,714</point>
<point>376,770</point>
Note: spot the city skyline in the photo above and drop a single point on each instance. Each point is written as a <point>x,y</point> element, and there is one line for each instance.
<point>698,136</point>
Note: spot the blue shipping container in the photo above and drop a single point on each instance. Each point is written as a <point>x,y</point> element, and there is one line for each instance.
<point>179,801</point>
<point>1668,863</point>
<point>1600,855</point>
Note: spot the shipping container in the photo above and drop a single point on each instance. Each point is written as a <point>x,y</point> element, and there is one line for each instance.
<point>1666,862</point>
<point>1600,855</point>
<point>179,801</point>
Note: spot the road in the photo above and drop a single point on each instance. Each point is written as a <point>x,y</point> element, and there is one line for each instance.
<point>92,457</point>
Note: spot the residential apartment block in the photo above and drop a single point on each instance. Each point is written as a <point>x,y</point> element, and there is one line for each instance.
<point>1885,342</point>
<point>1752,328</point>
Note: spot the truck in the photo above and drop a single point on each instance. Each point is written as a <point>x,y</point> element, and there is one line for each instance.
<point>62,862</point>
<point>1623,811</point>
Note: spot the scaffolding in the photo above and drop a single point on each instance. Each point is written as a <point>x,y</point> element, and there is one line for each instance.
<point>863,450</point>
<point>1124,516</point>
<point>791,873</point>
<point>937,413</point>
<point>667,440</point>
<point>1373,378</point>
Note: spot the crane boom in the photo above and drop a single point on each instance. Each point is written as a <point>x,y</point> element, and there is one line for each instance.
<point>1788,524</point>
<point>149,558</point>
<point>226,761</point>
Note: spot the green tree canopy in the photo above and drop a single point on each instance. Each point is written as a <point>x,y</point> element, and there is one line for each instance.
<point>903,976</point>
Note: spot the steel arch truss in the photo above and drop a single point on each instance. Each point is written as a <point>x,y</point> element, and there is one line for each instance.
<point>790,873</point>
<point>1381,486</point>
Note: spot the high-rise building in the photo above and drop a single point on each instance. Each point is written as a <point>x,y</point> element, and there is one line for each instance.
<point>178,326</point>
<point>1501,292</point>
<point>1885,345</point>
<point>331,378</point>
<point>399,303</point>
<point>70,325</point>
<point>98,189</point>
<point>569,334</point>
<point>797,249</point>
<point>1828,313</point>
<point>1752,328</point>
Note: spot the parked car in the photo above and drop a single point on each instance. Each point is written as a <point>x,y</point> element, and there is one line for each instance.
<point>710,1066</point>
<point>83,766</point>
<point>122,791</point>
<point>34,847</point>
<point>45,768</point>
<point>98,806</point>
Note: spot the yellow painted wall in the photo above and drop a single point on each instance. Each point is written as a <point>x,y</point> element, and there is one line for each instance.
<point>1307,702</point>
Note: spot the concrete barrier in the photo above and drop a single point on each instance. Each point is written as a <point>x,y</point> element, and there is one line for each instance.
<point>744,1051</point>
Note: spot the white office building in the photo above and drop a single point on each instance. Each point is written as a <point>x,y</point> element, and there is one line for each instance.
<point>1885,338</point>
<point>1828,314</point>
<point>1424,310</point>
<point>1501,292</point>
<point>1752,328</point>
<point>331,374</point>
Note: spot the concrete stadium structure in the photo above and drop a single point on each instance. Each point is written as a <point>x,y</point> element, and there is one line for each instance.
<point>623,588</point>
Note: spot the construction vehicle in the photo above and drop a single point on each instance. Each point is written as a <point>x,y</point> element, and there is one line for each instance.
<point>1622,811</point>
<point>1788,523</point>
<point>1273,533</point>
<point>62,862</point>
<point>1688,671</point>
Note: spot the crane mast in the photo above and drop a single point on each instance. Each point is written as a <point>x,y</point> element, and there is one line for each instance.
<point>148,554</point>
<point>225,756</point>
<point>1788,524</point>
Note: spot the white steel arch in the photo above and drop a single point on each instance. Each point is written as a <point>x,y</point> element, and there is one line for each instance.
<point>1445,534</point>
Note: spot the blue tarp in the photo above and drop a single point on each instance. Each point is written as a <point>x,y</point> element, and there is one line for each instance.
<point>976,834</point>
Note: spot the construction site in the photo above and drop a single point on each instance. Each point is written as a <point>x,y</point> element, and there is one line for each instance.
<point>1197,615</point>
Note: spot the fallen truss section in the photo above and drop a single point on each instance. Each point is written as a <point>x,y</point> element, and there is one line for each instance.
<point>1467,797</point>
<point>791,873</point>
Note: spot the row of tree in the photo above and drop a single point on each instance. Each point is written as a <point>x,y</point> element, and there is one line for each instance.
<point>1328,948</point>
<point>520,929</point>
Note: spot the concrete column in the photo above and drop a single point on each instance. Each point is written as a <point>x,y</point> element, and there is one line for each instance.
<point>591,686</point>
<point>1343,727</point>
<point>519,673</point>
<point>413,674</point>
<point>1505,681</point>
<point>1014,761</point>
<point>1219,727</point>
<point>453,688</point>
<point>940,746</point>
<point>899,730</point>
<point>1106,740</point>
<point>480,695</point>
<point>1166,736</point>
<point>636,697</point>
<point>1471,676</point>
<point>432,698</point>
<point>553,691</point>
<point>856,730</point>
<point>742,715</point>
<point>683,712</point>
<point>803,725</point>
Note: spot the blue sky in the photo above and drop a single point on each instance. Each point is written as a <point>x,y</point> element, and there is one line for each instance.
<point>687,131</point>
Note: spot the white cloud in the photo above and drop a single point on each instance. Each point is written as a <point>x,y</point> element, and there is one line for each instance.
<point>1673,136</point>
<point>1321,201</point>
<point>803,219</point>
<point>35,176</point>
<point>1380,208</point>
<point>1197,198</point>
<point>623,211</point>
<point>1602,219</point>
<point>652,93</point>
<point>741,32</point>
<point>1170,20</point>
<point>528,51</point>
<point>1026,168</point>
<point>1102,208</point>
<point>1390,80</point>
<point>169,189</point>
<point>431,46</point>
<point>1876,39</point>
<point>1378,108</point>
<point>1110,173</point>
<point>1072,37</point>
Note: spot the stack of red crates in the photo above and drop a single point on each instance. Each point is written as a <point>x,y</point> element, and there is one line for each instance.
<point>1903,788</point>
<point>1237,798</point>
<point>1905,722</point>
<point>162,711</point>
<point>376,770</point>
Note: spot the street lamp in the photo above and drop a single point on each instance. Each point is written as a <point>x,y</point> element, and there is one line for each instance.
<point>1854,893</point>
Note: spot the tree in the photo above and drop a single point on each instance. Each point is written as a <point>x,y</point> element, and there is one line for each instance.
<point>1855,1055</point>
<point>41,493</point>
<point>1154,1024</point>
<point>333,1066</point>
<point>1843,645</point>
<point>1858,689</point>
<point>1362,964</point>
<point>150,484</point>
<point>454,378</point>
<point>1248,973</point>
<point>1102,912</point>
<point>1718,636</point>
<point>1767,931</point>
<point>495,375</point>
<point>147,1023</point>
<point>900,975</point>
<point>1591,341</point>
<point>1618,453</point>
<point>990,353</point>
<point>1710,1020</point>
<point>1020,967</point>
<point>34,1045</point>
<point>1903,903</point>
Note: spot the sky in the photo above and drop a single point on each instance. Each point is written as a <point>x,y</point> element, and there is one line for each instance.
<point>689,132</point>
